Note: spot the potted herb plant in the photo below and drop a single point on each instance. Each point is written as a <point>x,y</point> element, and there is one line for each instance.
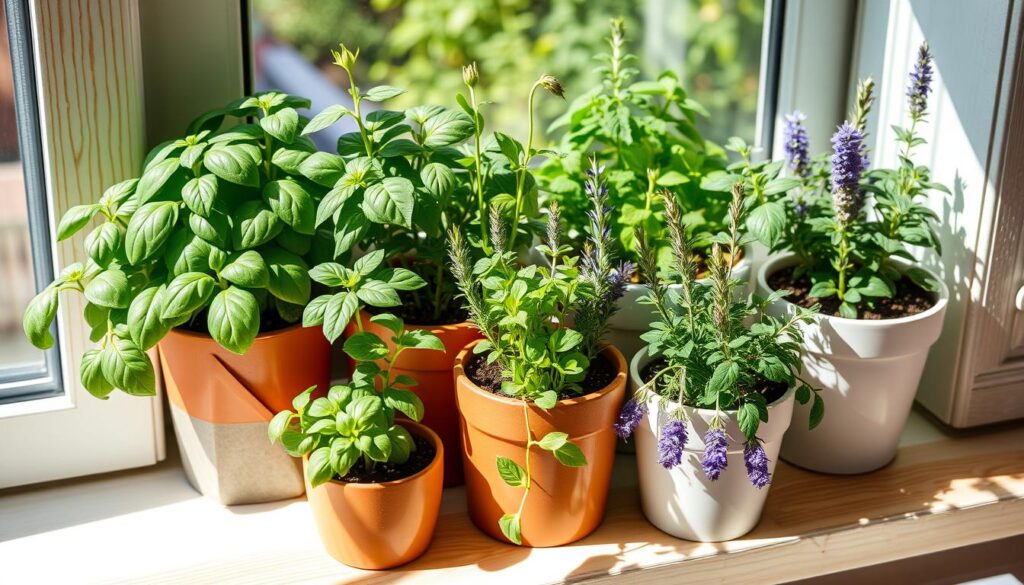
<point>537,397</point>
<point>405,182</point>
<point>373,480</point>
<point>206,257</point>
<point>645,133</point>
<point>881,311</point>
<point>714,389</point>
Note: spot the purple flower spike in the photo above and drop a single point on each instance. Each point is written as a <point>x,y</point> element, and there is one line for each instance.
<point>757,464</point>
<point>847,165</point>
<point>630,416</point>
<point>716,458</point>
<point>796,144</point>
<point>920,82</point>
<point>671,443</point>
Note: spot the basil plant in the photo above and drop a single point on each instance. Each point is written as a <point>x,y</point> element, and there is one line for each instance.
<point>216,235</point>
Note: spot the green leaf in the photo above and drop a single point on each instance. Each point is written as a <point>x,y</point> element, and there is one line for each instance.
<point>292,204</point>
<point>369,262</point>
<point>91,375</point>
<point>145,324</point>
<point>329,274</point>
<point>155,178</point>
<point>313,314</point>
<point>338,313</point>
<point>254,224</point>
<point>404,401</point>
<point>325,118</point>
<point>447,128</point>
<point>215,229</point>
<point>39,315</point>
<point>377,293</point>
<point>547,399</point>
<point>282,124</point>
<point>570,455</point>
<point>365,347</point>
<point>288,160</point>
<point>390,202</point>
<point>402,444</point>
<point>323,168</point>
<point>553,441</point>
<point>332,202</point>
<point>781,185</point>
<point>382,93</point>
<point>393,323</point>
<point>420,339</point>
<point>817,411</point>
<point>128,368</point>
<point>767,223</point>
<point>923,279</point>
<point>318,468</point>
<point>109,289</point>
<point>822,289</point>
<point>363,409</point>
<point>247,269</point>
<point>399,147</point>
<point>199,194</point>
<point>190,156</point>
<point>233,163</point>
<point>234,319</point>
<point>438,179</point>
<point>563,340</point>
<point>875,287</point>
<point>279,424</point>
<point>343,457</point>
<point>848,311</point>
<point>148,229</point>
<point>749,420</point>
<point>350,230</point>
<point>510,471</point>
<point>186,294</point>
<point>289,275</point>
<point>74,220</point>
<point>402,279</point>
<point>511,528</point>
<point>724,377</point>
<point>103,243</point>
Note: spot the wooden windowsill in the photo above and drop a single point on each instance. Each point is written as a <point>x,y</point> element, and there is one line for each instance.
<point>147,526</point>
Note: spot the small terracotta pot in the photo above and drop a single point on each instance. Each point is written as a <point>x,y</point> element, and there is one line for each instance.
<point>221,403</point>
<point>380,525</point>
<point>565,503</point>
<point>436,387</point>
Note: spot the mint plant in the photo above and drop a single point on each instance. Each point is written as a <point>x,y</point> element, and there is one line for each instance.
<point>357,423</point>
<point>719,353</point>
<point>645,133</point>
<point>523,312</point>
<point>217,234</point>
<point>403,182</point>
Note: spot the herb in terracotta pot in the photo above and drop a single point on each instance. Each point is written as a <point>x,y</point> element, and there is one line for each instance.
<point>853,248</point>
<point>531,360</point>
<point>716,378</point>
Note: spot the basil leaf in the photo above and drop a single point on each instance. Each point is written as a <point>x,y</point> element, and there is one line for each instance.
<point>145,323</point>
<point>187,293</point>
<point>128,368</point>
<point>289,275</point>
<point>155,178</point>
<point>254,224</point>
<point>74,220</point>
<point>338,313</point>
<point>447,128</point>
<point>325,118</point>
<point>91,374</point>
<point>510,471</point>
<point>292,204</point>
<point>247,269</point>
<point>382,93</point>
<point>199,194</point>
<point>148,229</point>
<point>282,124</point>
<point>215,228</point>
<point>109,289</point>
<point>365,347</point>
<point>234,319</point>
<point>103,243</point>
<point>233,163</point>
<point>438,179</point>
<point>378,293</point>
<point>323,168</point>
<point>390,202</point>
<point>39,315</point>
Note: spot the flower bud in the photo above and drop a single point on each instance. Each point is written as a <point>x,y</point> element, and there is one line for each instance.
<point>345,58</point>
<point>470,74</point>
<point>551,83</point>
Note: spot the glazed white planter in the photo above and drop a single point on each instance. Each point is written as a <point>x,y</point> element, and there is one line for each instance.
<point>682,501</point>
<point>633,318</point>
<point>868,372</point>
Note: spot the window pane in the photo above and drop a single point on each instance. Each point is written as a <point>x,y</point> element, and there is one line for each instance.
<point>420,46</point>
<point>17,276</point>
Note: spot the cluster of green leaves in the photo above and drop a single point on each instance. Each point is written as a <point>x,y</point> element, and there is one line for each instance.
<point>356,423</point>
<point>402,182</point>
<point>645,133</point>
<point>719,351</point>
<point>219,229</point>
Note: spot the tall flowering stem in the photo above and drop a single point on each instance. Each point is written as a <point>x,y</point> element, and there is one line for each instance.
<point>796,144</point>
<point>847,198</point>
<point>920,83</point>
<point>865,99</point>
<point>471,76</point>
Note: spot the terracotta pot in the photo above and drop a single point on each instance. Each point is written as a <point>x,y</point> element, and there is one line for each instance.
<point>380,525</point>
<point>868,372</point>
<point>221,403</point>
<point>682,501</point>
<point>565,503</point>
<point>436,386</point>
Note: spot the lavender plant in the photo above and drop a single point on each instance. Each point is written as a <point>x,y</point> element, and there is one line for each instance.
<point>718,353</point>
<point>522,313</point>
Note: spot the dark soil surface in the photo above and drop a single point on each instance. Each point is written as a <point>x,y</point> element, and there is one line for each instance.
<point>909,299</point>
<point>412,314</point>
<point>772,391</point>
<point>488,376</point>
<point>382,472</point>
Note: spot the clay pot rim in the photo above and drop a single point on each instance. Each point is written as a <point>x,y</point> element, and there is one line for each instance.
<point>618,360</point>
<point>777,262</point>
<point>414,428</point>
<point>262,336</point>
<point>447,327</point>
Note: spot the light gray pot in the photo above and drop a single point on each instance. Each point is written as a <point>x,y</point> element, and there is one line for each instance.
<point>868,372</point>
<point>682,501</point>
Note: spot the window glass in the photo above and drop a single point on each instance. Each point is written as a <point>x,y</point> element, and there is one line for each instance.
<point>420,46</point>
<point>17,275</point>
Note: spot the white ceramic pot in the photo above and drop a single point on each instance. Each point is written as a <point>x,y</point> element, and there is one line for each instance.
<point>633,318</point>
<point>682,501</point>
<point>868,372</point>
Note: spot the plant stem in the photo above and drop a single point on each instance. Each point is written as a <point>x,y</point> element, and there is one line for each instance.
<point>521,176</point>
<point>477,162</point>
<point>356,101</point>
